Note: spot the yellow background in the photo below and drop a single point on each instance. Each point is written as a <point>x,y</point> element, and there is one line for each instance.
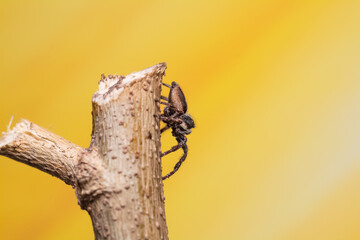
<point>273,87</point>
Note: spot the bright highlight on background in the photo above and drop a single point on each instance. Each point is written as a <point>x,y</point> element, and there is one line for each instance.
<point>273,87</point>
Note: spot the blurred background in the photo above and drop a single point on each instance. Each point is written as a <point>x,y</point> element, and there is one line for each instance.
<point>272,85</point>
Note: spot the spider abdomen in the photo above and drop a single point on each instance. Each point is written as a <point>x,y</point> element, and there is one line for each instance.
<point>177,98</point>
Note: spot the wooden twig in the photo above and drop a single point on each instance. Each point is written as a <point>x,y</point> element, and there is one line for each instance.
<point>118,178</point>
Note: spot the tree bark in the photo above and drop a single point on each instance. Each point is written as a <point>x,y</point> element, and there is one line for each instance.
<point>118,178</point>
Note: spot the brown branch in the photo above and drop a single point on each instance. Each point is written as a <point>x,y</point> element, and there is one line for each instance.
<point>39,148</point>
<point>118,178</point>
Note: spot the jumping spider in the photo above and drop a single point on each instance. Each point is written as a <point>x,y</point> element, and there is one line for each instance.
<point>176,118</point>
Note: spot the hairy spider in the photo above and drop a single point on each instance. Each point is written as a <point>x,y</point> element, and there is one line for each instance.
<point>176,118</point>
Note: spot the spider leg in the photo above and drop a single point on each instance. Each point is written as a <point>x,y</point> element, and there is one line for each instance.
<point>172,118</point>
<point>165,103</point>
<point>164,98</point>
<point>182,159</point>
<point>164,129</point>
<point>162,118</point>
<point>167,85</point>
<point>173,149</point>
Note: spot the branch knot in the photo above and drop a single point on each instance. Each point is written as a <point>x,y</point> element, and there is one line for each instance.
<point>91,182</point>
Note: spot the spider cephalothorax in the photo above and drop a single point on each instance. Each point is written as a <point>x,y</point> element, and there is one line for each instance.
<point>176,118</point>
